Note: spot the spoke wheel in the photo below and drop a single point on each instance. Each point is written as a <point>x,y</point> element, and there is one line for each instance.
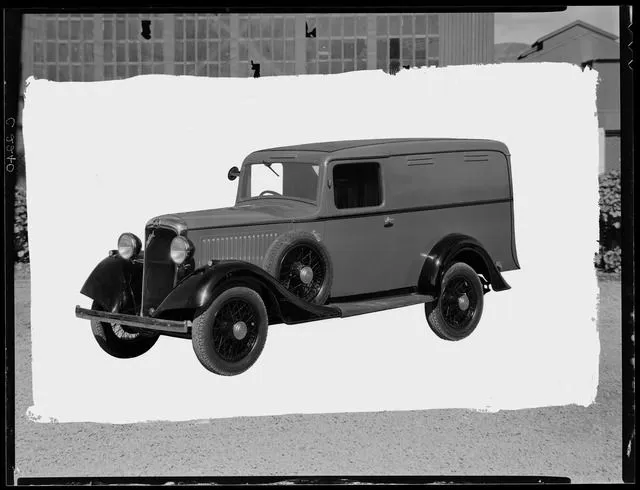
<point>458,302</point>
<point>303,272</point>
<point>301,263</point>
<point>124,332</point>
<point>235,329</point>
<point>119,340</point>
<point>229,335</point>
<point>457,311</point>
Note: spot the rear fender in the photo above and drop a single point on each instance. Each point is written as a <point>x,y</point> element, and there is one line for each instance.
<point>115,280</point>
<point>458,248</point>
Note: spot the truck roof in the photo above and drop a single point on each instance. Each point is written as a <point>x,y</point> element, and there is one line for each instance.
<point>391,146</point>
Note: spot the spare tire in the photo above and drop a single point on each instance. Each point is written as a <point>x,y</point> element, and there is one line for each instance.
<point>301,264</point>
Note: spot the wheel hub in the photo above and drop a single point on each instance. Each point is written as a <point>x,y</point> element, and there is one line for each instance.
<point>306,274</point>
<point>240,330</point>
<point>463,302</point>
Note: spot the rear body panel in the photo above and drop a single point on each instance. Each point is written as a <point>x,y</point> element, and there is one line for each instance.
<point>427,196</point>
<point>368,257</point>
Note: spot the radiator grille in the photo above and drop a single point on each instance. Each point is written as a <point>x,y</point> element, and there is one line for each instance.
<point>249,247</point>
<point>159,269</point>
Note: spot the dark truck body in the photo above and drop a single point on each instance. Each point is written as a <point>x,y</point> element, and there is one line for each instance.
<point>437,201</point>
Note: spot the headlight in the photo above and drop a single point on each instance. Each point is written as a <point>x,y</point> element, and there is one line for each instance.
<point>181,249</point>
<point>129,245</point>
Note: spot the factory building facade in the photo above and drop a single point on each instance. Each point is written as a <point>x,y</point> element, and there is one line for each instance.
<point>77,47</point>
<point>74,47</point>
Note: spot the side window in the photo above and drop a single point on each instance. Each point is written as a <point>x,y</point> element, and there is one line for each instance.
<point>357,185</point>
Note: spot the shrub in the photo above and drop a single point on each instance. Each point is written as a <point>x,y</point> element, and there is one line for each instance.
<point>608,259</point>
<point>610,205</point>
<point>20,235</point>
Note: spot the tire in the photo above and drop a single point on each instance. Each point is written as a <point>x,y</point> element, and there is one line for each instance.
<point>118,340</point>
<point>214,334</point>
<point>295,253</point>
<point>451,316</point>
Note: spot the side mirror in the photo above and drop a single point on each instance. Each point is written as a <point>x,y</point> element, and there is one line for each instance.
<point>234,173</point>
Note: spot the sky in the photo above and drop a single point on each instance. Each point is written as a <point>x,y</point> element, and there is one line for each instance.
<point>528,27</point>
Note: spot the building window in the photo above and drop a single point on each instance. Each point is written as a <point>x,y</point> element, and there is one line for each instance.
<point>202,45</point>
<point>125,52</point>
<point>340,44</point>
<point>268,40</point>
<point>63,48</point>
<point>407,41</point>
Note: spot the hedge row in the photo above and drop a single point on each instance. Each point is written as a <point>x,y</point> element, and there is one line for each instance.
<point>609,257</point>
<point>20,234</point>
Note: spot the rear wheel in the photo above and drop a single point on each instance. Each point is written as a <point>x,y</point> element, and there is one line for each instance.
<point>457,311</point>
<point>228,336</point>
<point>119,340</point>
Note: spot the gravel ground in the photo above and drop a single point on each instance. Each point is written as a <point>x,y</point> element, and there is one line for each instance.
<point>581,443</point>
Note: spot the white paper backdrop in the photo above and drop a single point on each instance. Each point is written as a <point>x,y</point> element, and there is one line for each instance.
<point>104,157</point>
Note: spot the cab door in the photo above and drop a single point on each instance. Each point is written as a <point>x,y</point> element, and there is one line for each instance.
<point>358,234</point>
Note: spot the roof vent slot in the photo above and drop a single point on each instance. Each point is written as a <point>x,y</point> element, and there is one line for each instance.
<point>282,156</point>
<point>476,157</point>
<point>414,160</point>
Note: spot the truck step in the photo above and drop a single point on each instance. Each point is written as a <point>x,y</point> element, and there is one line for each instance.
<point>352,308</point>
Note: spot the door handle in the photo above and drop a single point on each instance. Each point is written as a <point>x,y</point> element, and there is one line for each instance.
<point>388,222</point>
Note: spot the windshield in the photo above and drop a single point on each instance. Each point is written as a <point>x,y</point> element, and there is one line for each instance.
<point>287,180</point>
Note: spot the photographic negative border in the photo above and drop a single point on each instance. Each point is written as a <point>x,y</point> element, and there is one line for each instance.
<point>12,36</point>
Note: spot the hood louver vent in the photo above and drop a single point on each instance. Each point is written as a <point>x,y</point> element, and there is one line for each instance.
<point>248,247</point>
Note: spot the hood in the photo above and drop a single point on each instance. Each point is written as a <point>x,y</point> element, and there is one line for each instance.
<point>251,212</point>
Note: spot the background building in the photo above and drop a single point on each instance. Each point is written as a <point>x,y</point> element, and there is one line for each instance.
<point>586,45</point>
<point>94,47</point>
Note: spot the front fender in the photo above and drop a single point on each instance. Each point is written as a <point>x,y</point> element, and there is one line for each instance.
<point>193,292</point>
<point>198,290</point>
<point>111,279</point>
<point>447,251</point>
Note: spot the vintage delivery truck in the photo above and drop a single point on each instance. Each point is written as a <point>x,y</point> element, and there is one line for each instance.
<point>318,231</point>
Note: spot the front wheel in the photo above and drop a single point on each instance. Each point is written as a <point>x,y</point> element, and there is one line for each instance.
<point>457,311</point>
<point>118,340</point>
<point>228,336</point>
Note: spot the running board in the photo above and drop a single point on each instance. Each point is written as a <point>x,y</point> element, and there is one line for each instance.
<point>353,308</point>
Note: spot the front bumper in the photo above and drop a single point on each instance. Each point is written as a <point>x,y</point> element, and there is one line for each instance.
<point>143,322</point>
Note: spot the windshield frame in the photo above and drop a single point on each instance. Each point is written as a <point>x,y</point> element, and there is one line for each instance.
<point>244,182</point>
